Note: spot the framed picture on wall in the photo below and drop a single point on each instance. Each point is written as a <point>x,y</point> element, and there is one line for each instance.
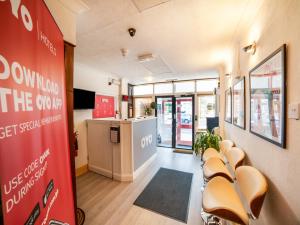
<point>268,98</point>
<point>228,105</point>
<point>238,97</point>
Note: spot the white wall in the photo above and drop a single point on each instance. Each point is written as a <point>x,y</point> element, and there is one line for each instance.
<point>89,79</point>
<point>124,104</point>
<point>278,22</point>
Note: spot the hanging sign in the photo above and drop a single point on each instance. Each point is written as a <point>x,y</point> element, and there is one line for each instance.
<point>35,178</point>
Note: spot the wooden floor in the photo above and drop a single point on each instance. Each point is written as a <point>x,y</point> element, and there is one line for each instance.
<point>108,202</point>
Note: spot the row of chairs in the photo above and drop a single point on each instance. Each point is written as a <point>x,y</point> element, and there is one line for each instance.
<point>232,191</point>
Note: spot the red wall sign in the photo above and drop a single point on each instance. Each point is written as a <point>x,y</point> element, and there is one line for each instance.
<point>104,107</point>
<point>34,161</point>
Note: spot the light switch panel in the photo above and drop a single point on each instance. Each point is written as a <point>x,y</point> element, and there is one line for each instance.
<point>294,111</point>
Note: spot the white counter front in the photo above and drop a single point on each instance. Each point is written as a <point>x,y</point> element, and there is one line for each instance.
<point>125,160</point>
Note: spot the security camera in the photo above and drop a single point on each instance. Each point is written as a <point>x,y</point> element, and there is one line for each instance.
<point>131,32</point>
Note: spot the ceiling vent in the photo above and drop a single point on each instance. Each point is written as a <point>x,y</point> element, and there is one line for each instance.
<point>143,5</point>
<point>154,64</point>
<point>146,57</point>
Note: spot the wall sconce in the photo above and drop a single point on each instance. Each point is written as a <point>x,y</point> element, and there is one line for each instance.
<point>251,49</point>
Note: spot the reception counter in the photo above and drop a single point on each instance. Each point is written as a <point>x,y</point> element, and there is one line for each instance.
<point>121,149</point>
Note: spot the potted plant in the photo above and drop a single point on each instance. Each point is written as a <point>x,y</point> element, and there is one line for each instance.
<point>205,140</point>
<point>147,110</point>
<point>153,105</point>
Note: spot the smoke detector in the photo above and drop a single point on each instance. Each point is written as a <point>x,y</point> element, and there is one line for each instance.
<point>124,52</point>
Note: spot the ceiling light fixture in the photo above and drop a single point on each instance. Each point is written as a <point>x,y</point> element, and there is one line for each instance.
<point>251,49</point>
<point>146,57</point>
<point>149,78</point>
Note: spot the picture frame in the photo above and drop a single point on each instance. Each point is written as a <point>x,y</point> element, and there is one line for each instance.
<point>238,104</point>
<point>228,105</point>
<point>268,98</point>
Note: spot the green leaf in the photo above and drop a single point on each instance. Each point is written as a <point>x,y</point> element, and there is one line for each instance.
<point>205,140</point>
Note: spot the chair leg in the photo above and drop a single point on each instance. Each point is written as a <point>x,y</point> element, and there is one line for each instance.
<point>205,216</point>
<point>205,181</point>
<point>202,163</point>
<point>209,219</point>
<point>215,221</point>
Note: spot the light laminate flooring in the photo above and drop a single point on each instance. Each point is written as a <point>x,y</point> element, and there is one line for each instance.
<point>108,202</point>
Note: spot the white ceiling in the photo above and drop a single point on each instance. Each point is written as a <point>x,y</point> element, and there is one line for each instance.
<point>190,36</point>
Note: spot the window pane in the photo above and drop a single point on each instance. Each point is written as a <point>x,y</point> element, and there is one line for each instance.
<point>143,89</point>
<point>140,104</point>
<point>164,121</point>
<point>164,88</point>
<point>207,85</point>
<point>207,108</point>
<point>186,86</point>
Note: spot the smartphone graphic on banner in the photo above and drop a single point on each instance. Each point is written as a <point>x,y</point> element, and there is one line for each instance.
<point>56,222</point>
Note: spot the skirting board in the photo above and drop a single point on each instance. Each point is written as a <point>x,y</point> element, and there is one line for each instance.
<point>108,173</point>
<point>104,172</point>
<point>144,166</point>
<point>123,177</point>
<point>82,170</point>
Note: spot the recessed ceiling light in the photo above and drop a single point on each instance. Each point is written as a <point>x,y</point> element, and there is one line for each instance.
<point>149,78</point>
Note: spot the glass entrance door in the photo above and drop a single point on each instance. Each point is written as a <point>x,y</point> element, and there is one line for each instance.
<point>175,121</point>
<point>164,113</point>
<point>184,132</point>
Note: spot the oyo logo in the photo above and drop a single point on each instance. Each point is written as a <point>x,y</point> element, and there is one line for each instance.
<point>17,7</point>
<point>146,141</point>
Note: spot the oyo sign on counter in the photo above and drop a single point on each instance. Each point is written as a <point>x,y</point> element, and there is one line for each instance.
<point>147,140</point>
<point>144,141</point>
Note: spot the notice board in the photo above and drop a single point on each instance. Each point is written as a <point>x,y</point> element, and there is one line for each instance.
<point>35,177</point>
<point>104,107</point>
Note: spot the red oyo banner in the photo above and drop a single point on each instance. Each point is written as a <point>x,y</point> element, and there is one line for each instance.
<point>35,178</point>
<point>104,107</point>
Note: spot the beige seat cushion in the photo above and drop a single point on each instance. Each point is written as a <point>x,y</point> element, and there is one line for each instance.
<point>253,185</point>
<point>225,145</point>
<point>215,167</point>
<point>221,199</point>
<point>235,157</point>
<point>212,153</point>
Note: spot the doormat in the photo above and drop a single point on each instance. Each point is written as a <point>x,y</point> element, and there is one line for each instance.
<point>183,151</point>
<point>168,193</point>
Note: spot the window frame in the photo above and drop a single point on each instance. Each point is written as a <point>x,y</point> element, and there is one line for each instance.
<point>206,92</point>
<point>198,95</point>
<point>185,92</point>
<point>142,97</point>
<point>148,94</point>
